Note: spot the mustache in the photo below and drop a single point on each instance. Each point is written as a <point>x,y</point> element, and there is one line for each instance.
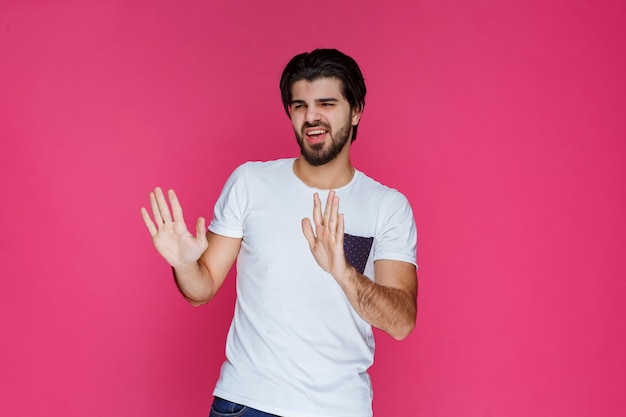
<point>308,125</point>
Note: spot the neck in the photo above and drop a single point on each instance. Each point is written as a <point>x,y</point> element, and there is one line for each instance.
<point>333,175</point>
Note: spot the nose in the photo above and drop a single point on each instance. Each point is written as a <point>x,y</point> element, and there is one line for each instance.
<point>312,114</point>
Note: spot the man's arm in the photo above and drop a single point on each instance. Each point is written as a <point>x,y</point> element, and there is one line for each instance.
<point>200,263</point>
<point>200,281</point>
<point>390,303</point>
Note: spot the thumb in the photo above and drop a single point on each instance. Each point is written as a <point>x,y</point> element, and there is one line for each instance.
<point>201,228</point>
<point>307,229</point>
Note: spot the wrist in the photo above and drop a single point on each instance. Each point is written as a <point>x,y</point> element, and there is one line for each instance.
<point>185,268</point>
<point>346,275</point>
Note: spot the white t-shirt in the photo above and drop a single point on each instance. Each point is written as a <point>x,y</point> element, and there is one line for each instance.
<point>296,347</point>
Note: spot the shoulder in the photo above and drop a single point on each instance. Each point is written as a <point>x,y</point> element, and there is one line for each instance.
<point>258,167</point>
<point>376,189</point>
<point>251,170</point>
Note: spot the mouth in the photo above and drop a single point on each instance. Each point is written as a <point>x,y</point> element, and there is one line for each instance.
<point>315,135</point>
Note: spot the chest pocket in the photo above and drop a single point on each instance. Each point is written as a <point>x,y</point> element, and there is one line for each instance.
<point>357,249</point>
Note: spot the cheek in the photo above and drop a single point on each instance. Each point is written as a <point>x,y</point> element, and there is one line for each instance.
<point>296,116</point>
<point>295,122</point>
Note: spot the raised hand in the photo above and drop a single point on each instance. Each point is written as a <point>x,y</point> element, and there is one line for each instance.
<point>326,242</point>
<point>169,231</point>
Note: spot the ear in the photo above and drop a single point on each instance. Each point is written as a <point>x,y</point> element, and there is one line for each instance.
<point>356,116</point>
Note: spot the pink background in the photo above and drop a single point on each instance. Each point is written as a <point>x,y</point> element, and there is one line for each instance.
<point>502,122</point>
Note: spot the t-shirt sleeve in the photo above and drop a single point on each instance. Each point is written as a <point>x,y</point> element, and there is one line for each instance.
<point>397,235</point>
<point>228,211</point>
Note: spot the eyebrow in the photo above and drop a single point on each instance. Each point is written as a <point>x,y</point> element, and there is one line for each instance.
<point>317,100</point>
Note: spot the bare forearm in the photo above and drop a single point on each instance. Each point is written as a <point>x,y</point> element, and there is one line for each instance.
<point>194,283</point>
<point>390,309</point>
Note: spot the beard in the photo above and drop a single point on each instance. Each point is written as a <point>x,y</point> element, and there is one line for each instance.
<point>322,153</point>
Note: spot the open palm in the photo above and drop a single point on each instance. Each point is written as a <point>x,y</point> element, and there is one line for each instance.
<point>169,232</point>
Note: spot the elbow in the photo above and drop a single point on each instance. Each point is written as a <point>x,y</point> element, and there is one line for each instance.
<point>405,323</point>
<point>402,332</point>
<point>196,298</point>
<point>404,328</point>
<point>197,302</point>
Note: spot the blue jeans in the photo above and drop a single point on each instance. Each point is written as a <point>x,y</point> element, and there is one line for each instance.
<point>225,408</point>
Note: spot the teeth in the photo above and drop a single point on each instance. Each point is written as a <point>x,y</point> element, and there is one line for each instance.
<point>317,132</point>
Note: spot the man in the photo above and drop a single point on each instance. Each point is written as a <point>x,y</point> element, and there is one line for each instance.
<point>308,290</point>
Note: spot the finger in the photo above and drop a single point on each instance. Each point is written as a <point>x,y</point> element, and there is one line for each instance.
<point>148,221</point>
<point>327,208</point>
<point>162,205</point>
<point>155,210</point>
<point>317,210</point>
<point>339,236</point>
<point>177,209</point>
<point>307,229</point>
<point>332,207</point>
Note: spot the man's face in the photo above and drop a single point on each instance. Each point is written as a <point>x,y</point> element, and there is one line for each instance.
<point>321,118</point>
